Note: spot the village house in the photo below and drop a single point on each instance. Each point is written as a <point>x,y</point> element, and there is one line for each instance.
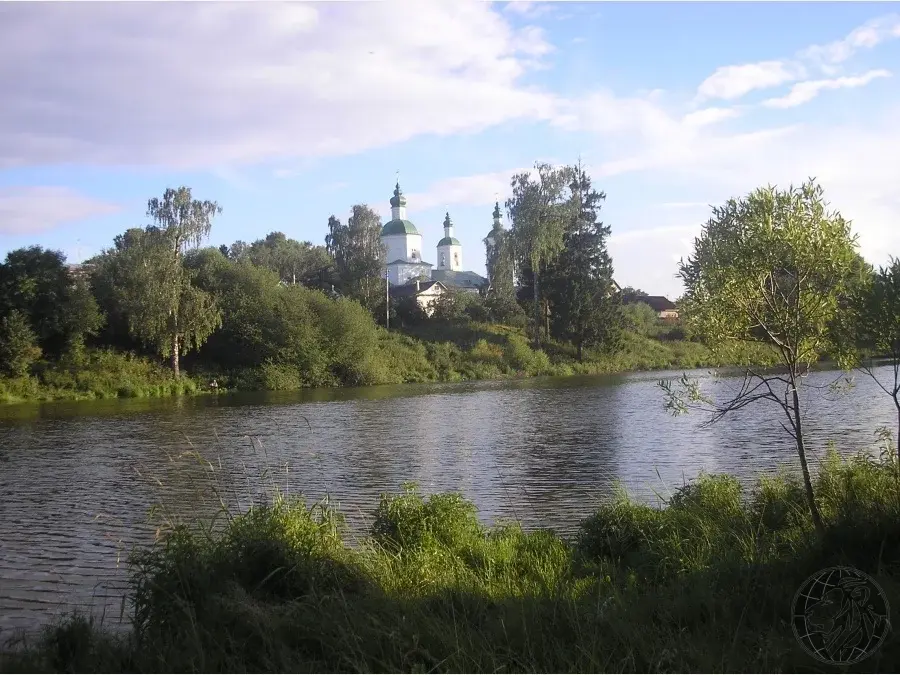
<point>425,293</point>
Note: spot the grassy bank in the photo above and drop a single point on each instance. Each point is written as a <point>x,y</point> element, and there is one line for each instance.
<point>449,353</point>
<point>702,585</point>
<point>95,374</point>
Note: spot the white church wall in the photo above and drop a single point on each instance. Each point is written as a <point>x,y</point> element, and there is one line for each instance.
<point>449,258</point>
<point>403,274</point>
<point>402,246</point>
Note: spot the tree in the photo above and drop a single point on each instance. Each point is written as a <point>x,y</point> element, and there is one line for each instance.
<point>586,310</point>
<point>163,307</point>
<point>769,268</point>
<point>60,310</point>
<point>81,316</point>
<point>296,262</point>
<point>107,280</point>
<point>539,210</point>
<point>18,344</point>
<point>878,328</point>
<point>358,255</point>
<point>640,318</point>
<point>499,261</point>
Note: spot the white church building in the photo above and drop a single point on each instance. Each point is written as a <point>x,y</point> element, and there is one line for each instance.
<point>408,272</point>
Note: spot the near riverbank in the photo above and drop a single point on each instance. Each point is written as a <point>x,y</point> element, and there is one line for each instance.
<point>703,585</point>
<point>447,353</point>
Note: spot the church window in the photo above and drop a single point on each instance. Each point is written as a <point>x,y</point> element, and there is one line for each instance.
<point>456,258</point>
<point>443,260</point>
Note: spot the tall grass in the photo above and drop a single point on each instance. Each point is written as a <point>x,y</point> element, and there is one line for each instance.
<point>95,374</point>
<point>703,584</point>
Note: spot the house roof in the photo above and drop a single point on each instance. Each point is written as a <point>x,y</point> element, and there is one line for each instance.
<point>458,279</point>
<point>407,290</point>
<point>657,302</point>
<point>401,261</point>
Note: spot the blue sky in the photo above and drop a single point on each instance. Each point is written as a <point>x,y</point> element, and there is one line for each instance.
<point>288,113</point>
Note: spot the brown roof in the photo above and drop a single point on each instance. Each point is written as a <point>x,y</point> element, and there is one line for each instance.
<point>657,302</point>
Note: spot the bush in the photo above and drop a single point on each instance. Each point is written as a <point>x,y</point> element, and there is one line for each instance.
<point>18,345</point>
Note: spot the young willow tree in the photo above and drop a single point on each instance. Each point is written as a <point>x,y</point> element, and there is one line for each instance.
<point>540,208</point>
<point>163,307</point>
<point>770,268</point>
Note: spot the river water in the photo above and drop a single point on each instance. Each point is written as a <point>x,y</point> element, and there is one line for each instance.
<point>78,480</point>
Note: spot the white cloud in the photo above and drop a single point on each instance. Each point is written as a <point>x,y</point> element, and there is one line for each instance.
<point>35,209</point>
<point>478,190</point>
<point>867,36</point>
<point>732,82</point>
<point>706,116</point>
<point>529,9</point>
<point>199,85</point>
<point>804,92</point>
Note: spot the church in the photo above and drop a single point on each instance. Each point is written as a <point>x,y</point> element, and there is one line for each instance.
<point>408,274</point>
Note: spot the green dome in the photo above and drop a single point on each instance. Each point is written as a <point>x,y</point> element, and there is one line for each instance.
<point>449,241</point>
<point>398,227</point>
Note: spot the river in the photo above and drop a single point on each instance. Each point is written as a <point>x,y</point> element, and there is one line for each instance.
<point>78,480</point>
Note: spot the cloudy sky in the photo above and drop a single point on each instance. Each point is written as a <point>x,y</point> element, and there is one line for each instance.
<point>287,113</point>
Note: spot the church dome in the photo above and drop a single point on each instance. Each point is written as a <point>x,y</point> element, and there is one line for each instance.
<point>449,241</point>
<point>398,226</point>
<point>398,199</point>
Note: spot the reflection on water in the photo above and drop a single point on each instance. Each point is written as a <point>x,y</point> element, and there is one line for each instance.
<point>80,478</point>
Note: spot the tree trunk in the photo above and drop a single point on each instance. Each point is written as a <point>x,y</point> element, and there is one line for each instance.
<point>801,451</point>
<point>897,405</point>
<point>173,359</point>
<point>580,351</point>
<point>537,310</point>
<point>547,320</point>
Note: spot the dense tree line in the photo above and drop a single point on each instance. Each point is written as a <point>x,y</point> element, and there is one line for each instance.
<point>296,313</point>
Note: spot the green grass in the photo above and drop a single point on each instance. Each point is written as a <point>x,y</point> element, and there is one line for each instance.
<point>704,584</point>
<point>96,374</point>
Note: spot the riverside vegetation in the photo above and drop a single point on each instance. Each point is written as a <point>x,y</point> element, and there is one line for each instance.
<point>280,314</point>
<point>702,585</point>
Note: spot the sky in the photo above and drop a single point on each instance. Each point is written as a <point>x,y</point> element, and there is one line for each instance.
<point>287,113</point>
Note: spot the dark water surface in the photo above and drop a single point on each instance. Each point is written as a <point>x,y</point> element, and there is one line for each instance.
<point>79,479</point>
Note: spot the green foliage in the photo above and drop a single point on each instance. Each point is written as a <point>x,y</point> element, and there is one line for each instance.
<point>539,209</point>
<point>18,344</point>
<point>96,374</point>
<point>640,318</point>
<point>454,306</point>
<point>585,309</point>
<point>358,255</point>
<point>60,310</point>
<point>699,585</point>
<point>295,262</point>
<point>500,262</point>
<point>771,268</point>
<point>875,324</point>
<point>162,305</point>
